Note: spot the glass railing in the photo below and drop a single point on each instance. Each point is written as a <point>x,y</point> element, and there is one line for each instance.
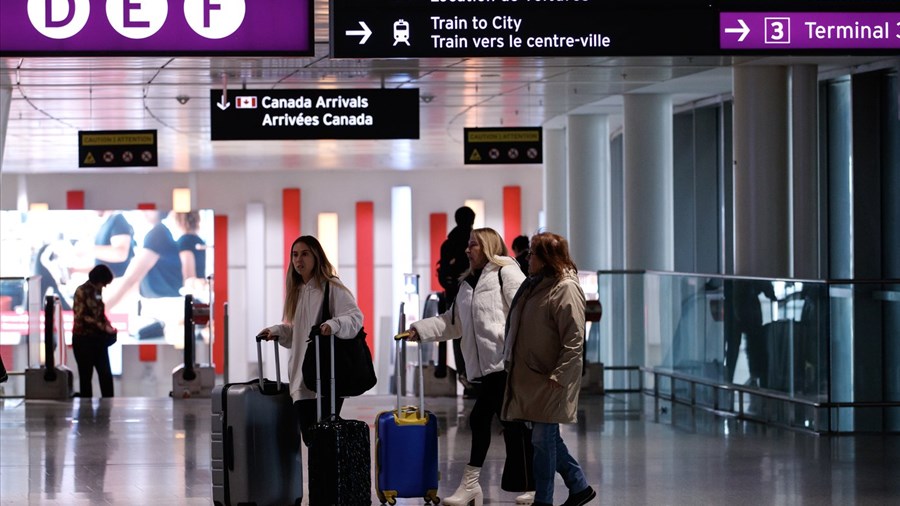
<point>818,355</point>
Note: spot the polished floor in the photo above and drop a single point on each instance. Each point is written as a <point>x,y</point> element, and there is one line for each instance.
<point>157,451</point>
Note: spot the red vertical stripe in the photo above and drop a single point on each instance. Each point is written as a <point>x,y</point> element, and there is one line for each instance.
<point>75,199</point>
<point>8,354</point>
<point>220,289</point>
<point>437,226</point>
<point>365,265</point>
<point>290,220</point>
<point>147,352</point>
<point>512,213</point>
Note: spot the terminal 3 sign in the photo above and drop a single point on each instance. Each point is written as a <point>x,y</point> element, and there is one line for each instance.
<point>156,27</point>
<point>534,28</point>
<point>314,114</point>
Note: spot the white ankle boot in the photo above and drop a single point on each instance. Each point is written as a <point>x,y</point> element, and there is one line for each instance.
<point>469,490</point>
<point>525,499</point>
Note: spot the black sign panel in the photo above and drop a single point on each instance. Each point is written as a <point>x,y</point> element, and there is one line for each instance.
<point>532,28</point>
<point>314,114</point>
<point>503,145</point>
<point>117,148</point>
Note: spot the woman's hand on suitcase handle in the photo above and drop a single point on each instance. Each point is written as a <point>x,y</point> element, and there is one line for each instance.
<point>411,335</point>
<point>266,335</point>
<point>325,329</point>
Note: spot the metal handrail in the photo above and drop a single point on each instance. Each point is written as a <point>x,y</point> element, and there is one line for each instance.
<point>833,281</point>
<point>743,390</point>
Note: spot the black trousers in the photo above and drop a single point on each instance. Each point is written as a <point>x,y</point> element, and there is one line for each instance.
<point>516,436</point>
<point>306,414</point>
<point>91,353</point>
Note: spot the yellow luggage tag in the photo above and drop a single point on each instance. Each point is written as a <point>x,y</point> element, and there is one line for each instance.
<point>409,415</point>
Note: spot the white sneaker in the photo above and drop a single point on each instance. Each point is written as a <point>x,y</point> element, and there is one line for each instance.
<point>526,498</point>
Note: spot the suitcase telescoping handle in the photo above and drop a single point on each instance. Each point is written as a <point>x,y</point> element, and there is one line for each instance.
<point>399,338</point>
<point>319,377</point>
<point>259,363</point>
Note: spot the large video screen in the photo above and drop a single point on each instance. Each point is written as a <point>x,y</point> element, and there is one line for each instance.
<point>157,257</point>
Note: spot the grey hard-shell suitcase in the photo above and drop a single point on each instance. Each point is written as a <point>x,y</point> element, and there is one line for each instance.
<point>255,442</point>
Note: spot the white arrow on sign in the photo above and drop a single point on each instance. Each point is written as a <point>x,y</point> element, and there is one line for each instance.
<point>743,30</point>
<point>365,32</point>
<point>223,104</point>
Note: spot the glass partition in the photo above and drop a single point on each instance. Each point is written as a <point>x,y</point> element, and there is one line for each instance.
<point>818,355</point>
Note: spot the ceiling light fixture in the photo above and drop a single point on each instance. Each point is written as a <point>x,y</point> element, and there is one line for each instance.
<point>182,99</point>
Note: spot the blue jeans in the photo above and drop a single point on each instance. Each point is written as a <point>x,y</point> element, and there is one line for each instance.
<point>550,457</point>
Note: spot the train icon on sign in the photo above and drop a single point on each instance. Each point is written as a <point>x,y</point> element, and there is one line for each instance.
<point>401,32</point>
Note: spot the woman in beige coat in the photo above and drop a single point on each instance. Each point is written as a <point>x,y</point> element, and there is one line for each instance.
<point>544,354</point>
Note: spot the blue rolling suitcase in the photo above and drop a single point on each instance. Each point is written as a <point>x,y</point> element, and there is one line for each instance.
<point>406,446</point>
<point>339,454</point>
<point>255,444</point>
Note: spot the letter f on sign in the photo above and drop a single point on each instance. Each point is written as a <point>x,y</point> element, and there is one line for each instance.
<point>208,6</point>
<point>48,14</point>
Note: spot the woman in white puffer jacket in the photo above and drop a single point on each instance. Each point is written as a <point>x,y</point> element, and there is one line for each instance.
<point>478,315</point>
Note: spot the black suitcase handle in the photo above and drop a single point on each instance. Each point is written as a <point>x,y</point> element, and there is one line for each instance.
<point>259,364</point>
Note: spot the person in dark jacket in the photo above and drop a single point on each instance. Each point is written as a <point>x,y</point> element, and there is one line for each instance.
<point>452,264</point>
<point>89,332</point>
<point>520,251</point>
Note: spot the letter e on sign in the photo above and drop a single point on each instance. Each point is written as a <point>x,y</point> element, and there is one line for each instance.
<point>137,20</point>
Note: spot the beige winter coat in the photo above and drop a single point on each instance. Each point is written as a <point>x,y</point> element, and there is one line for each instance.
<point>545,340</point>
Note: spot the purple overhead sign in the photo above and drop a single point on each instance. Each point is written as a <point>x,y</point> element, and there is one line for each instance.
<point>156,27</point>
<point>809,30</point>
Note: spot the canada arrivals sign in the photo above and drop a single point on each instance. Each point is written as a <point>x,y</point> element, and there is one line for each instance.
<point>314,114</point>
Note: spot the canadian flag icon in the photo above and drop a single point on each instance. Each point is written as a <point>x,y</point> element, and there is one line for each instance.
<point>245,102</point>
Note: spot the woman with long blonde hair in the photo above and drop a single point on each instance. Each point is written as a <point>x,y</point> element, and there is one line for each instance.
<point>478,315</point>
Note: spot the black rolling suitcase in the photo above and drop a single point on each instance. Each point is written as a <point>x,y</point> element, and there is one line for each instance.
<point>340,461</point>
<point>255,443</point>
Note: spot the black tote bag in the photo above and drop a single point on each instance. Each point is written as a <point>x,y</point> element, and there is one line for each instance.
<point>353,367</point>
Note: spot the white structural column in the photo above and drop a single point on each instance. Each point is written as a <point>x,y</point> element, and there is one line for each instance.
<point>649,199</point>
<point>5,99</point>
<point>805,231</point>
<point>22,194</point>
<point>761,171</point>
<point>254,298</point>
<point>648,166</point>
<point>588,152</point>
<point>556,188</point>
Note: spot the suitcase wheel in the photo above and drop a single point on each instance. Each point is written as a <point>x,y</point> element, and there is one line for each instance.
<point>432,498</point>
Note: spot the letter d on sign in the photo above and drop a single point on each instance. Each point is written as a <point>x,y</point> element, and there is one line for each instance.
<point>58,19</point>
<point>49,14</point>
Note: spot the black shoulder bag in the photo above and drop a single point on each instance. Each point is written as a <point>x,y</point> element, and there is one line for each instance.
<point>353,368</point>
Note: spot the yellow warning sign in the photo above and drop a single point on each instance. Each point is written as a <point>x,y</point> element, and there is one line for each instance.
<point>118,139</point>
<point>89,159</point>
<point>476,156</point>
<point>531,135</point>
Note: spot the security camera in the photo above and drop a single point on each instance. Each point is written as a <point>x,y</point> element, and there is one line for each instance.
<point>182,99</point>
